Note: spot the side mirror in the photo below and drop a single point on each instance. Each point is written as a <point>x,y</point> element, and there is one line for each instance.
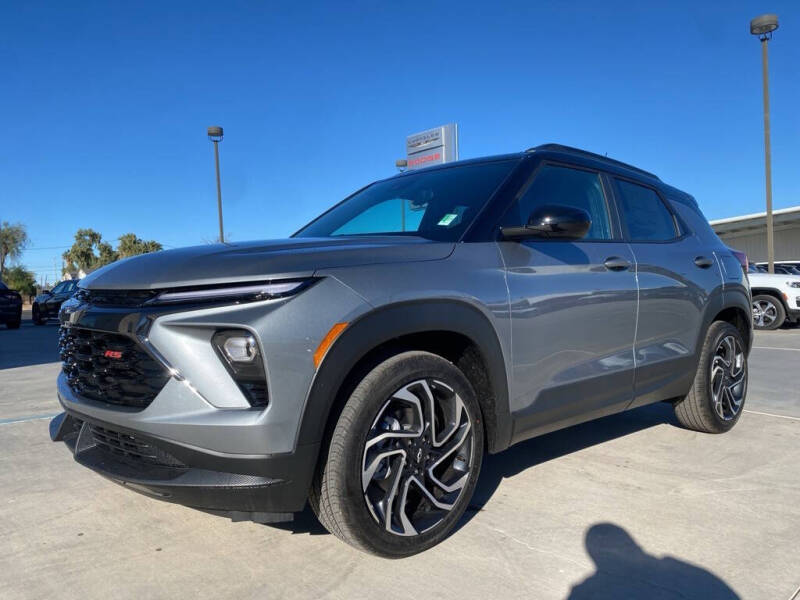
<point>48,292</point>
<point>552,221</point>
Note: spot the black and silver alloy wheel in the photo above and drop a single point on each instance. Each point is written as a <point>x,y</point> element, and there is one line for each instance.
<point>404,457</point>
<point>417,457</point>
<point>728,378</point>
<point>717,396</point>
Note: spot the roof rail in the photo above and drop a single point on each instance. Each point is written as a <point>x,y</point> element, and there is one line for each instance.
<point>587,154</point>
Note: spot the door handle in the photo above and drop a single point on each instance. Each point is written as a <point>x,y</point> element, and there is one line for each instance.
<point>703,262</point>
<point>615,263</point>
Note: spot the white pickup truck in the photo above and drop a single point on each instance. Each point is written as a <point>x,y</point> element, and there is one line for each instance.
<point>776,298</point>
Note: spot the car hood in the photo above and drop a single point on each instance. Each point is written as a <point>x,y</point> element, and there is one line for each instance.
<point>259,261</point>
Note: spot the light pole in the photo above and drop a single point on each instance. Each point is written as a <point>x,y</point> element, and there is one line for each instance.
<point>215,135</point>
<point>763,27</point>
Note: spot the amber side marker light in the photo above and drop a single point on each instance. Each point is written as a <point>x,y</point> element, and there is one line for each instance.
<point>326,342</point>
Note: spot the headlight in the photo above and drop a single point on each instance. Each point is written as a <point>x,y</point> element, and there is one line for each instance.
<point>793,284</point>
<point>249,292</point>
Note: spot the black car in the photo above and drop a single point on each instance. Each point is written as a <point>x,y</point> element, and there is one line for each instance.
<point>47,304</point>
<point>10,307</point>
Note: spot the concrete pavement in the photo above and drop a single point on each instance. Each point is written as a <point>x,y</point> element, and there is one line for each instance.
<point>629,506</point>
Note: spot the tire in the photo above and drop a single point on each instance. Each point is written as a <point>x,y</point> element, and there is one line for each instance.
<point>700,410</point>
<point>36,315</point>
<point>346,488</point>
<point>768,312</point>
<point>13,324</point>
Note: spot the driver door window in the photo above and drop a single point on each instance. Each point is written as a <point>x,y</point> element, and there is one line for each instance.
<point>567,187</point>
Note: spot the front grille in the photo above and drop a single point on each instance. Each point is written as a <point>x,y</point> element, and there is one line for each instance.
<point>116,298</point>
<point>108,367</point>
<point>131,448</point>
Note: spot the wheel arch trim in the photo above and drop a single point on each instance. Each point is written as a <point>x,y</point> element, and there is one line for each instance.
<point>384,324</point>
<point>770,291</point>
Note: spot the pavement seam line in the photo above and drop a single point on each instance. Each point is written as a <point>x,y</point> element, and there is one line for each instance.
<point>775,348</point>
<point>766,414</point>
<point>24,419</point>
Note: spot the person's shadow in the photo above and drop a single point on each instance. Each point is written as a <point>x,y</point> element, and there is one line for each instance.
<point>625,570</point>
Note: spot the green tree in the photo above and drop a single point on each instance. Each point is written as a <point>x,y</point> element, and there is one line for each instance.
<point>89,252</point>
<point>20,279</point>
<point>13,240</point>
<point>130,245</point>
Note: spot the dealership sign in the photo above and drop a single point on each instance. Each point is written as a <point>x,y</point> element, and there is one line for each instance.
<point>432,147</point>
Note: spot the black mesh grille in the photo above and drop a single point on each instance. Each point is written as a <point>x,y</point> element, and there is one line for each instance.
<point>116,298</point>
<point>131,448</point>
<point>109,367</point>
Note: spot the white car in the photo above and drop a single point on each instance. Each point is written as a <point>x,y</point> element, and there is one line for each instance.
<point>776,298</point>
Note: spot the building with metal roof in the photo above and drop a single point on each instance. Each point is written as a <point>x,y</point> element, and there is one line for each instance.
<point>748,233</point>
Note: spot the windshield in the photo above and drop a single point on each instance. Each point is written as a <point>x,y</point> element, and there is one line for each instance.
<point>437,205</point>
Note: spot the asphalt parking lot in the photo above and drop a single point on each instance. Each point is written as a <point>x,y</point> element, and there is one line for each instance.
<point>631,506</point>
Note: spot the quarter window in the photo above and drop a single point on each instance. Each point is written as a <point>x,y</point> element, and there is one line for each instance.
<point>645,215</point>
<point>568,187</point>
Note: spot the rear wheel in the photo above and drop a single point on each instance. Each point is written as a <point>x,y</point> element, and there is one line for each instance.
<point>403,459</point>
<point>36,315</point>
<point>768,312</point>
<point>715,402</point>
<point>13,324</point>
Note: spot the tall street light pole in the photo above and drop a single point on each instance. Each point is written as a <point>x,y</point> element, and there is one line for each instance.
<point>763,27</point>
<point>215,135</point>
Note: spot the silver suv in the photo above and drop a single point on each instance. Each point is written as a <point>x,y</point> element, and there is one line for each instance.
<point>367,363</point>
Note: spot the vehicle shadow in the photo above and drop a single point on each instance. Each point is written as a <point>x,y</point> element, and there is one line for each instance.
<point>28,345</point>
<point>525,455</point>
<point>624,570</point>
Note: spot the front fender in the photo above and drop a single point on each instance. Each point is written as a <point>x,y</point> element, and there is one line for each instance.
<point>390,322</point>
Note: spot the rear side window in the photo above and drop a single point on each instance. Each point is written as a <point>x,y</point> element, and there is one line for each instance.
<point>644,214</point>
<point>569,187</point>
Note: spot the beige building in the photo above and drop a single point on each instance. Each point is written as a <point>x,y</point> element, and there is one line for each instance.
<point>748,233</point>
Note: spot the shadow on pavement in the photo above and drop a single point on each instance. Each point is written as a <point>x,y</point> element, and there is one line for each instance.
<point>29,345</point>
<point>624,570</point>
<point>530,453</point>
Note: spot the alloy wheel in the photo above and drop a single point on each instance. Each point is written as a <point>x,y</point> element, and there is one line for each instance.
<point>417,458</point>
<point>764,313</point>
<point>728,378</point>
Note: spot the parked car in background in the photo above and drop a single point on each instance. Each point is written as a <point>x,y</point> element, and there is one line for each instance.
<point>10,307</point>
<point>47,304</point>
<point>366,364</point>
<point>776,297</point>
<point>787,268</point>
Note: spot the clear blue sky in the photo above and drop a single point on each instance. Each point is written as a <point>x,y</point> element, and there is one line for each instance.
<point>105,105</point>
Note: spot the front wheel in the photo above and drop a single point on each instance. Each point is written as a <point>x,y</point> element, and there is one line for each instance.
<point>716,399</point>
<point>36,315</point>
<point>404,457</point>
<point>768,312</point>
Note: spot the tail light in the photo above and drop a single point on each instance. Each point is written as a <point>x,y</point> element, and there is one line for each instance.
<point>742,258</point>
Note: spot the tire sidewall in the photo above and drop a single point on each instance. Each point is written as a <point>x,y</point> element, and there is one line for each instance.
<point>372,393</point>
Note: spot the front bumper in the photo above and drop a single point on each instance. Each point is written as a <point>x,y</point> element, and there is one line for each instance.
<point>260,488</point>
